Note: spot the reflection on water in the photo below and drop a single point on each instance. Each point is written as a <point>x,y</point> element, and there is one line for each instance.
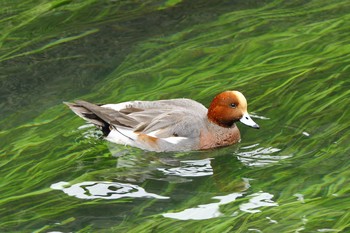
<point>300,197</point>
<point>164,167</point>
<point>212,210</point>
<point>256,201</point>
<point>104,190</point>
<point>327,230</point>
<point>259,117</point>
<point>167,168</point>
<point>206,211</point>
<point>255,156</point>
<point>190,168</point>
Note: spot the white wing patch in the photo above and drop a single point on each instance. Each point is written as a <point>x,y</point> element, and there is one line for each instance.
<point>174,140</point>
<point>117,107</point>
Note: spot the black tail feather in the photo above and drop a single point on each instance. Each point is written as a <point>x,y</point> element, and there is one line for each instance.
<point>90,116</point>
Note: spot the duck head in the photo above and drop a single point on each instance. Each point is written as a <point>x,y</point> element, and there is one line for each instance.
<point>229,107</point>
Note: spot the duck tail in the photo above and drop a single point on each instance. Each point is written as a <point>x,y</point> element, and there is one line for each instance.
<point>87,111</point>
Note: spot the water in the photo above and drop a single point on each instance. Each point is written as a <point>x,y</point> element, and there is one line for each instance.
<point>290,59</point>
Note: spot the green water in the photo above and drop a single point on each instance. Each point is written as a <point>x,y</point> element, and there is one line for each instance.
<point>291,59</point>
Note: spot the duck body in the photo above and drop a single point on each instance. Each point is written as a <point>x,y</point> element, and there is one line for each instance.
<point>169,125</point>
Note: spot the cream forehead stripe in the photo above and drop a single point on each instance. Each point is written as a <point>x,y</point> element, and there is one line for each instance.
<point>241,99</point>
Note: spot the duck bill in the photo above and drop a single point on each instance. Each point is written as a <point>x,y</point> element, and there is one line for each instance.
<point>247,120</point>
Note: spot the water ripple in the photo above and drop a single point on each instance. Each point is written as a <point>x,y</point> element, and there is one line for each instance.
<point>256,201</point>
<point>206,211</point>
<point>190,168</point>
<point>260,156</point>
<point>212,210</point>
<point>103,190</point>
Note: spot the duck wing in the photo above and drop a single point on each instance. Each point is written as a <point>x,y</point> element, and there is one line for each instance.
<point>164,118</point>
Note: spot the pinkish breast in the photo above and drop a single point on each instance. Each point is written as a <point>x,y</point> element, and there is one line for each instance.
<point>216,136</point>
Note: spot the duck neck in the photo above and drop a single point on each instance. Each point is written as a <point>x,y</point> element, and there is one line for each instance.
<point>215,118</point>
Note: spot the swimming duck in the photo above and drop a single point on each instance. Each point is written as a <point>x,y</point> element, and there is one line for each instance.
<point>170,125</point>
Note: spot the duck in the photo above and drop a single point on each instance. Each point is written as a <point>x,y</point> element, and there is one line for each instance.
<point>170,125</point>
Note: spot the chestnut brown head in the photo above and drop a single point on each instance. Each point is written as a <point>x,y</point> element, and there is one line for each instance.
<point>229,107</point>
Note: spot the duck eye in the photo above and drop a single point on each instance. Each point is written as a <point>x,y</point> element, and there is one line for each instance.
<point>233,105</point>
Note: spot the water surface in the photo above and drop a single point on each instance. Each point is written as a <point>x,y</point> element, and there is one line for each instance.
<point>290,59</point>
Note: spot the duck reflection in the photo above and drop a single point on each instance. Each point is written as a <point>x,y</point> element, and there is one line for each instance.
<point>218,168</point>
<point>104,190</point>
